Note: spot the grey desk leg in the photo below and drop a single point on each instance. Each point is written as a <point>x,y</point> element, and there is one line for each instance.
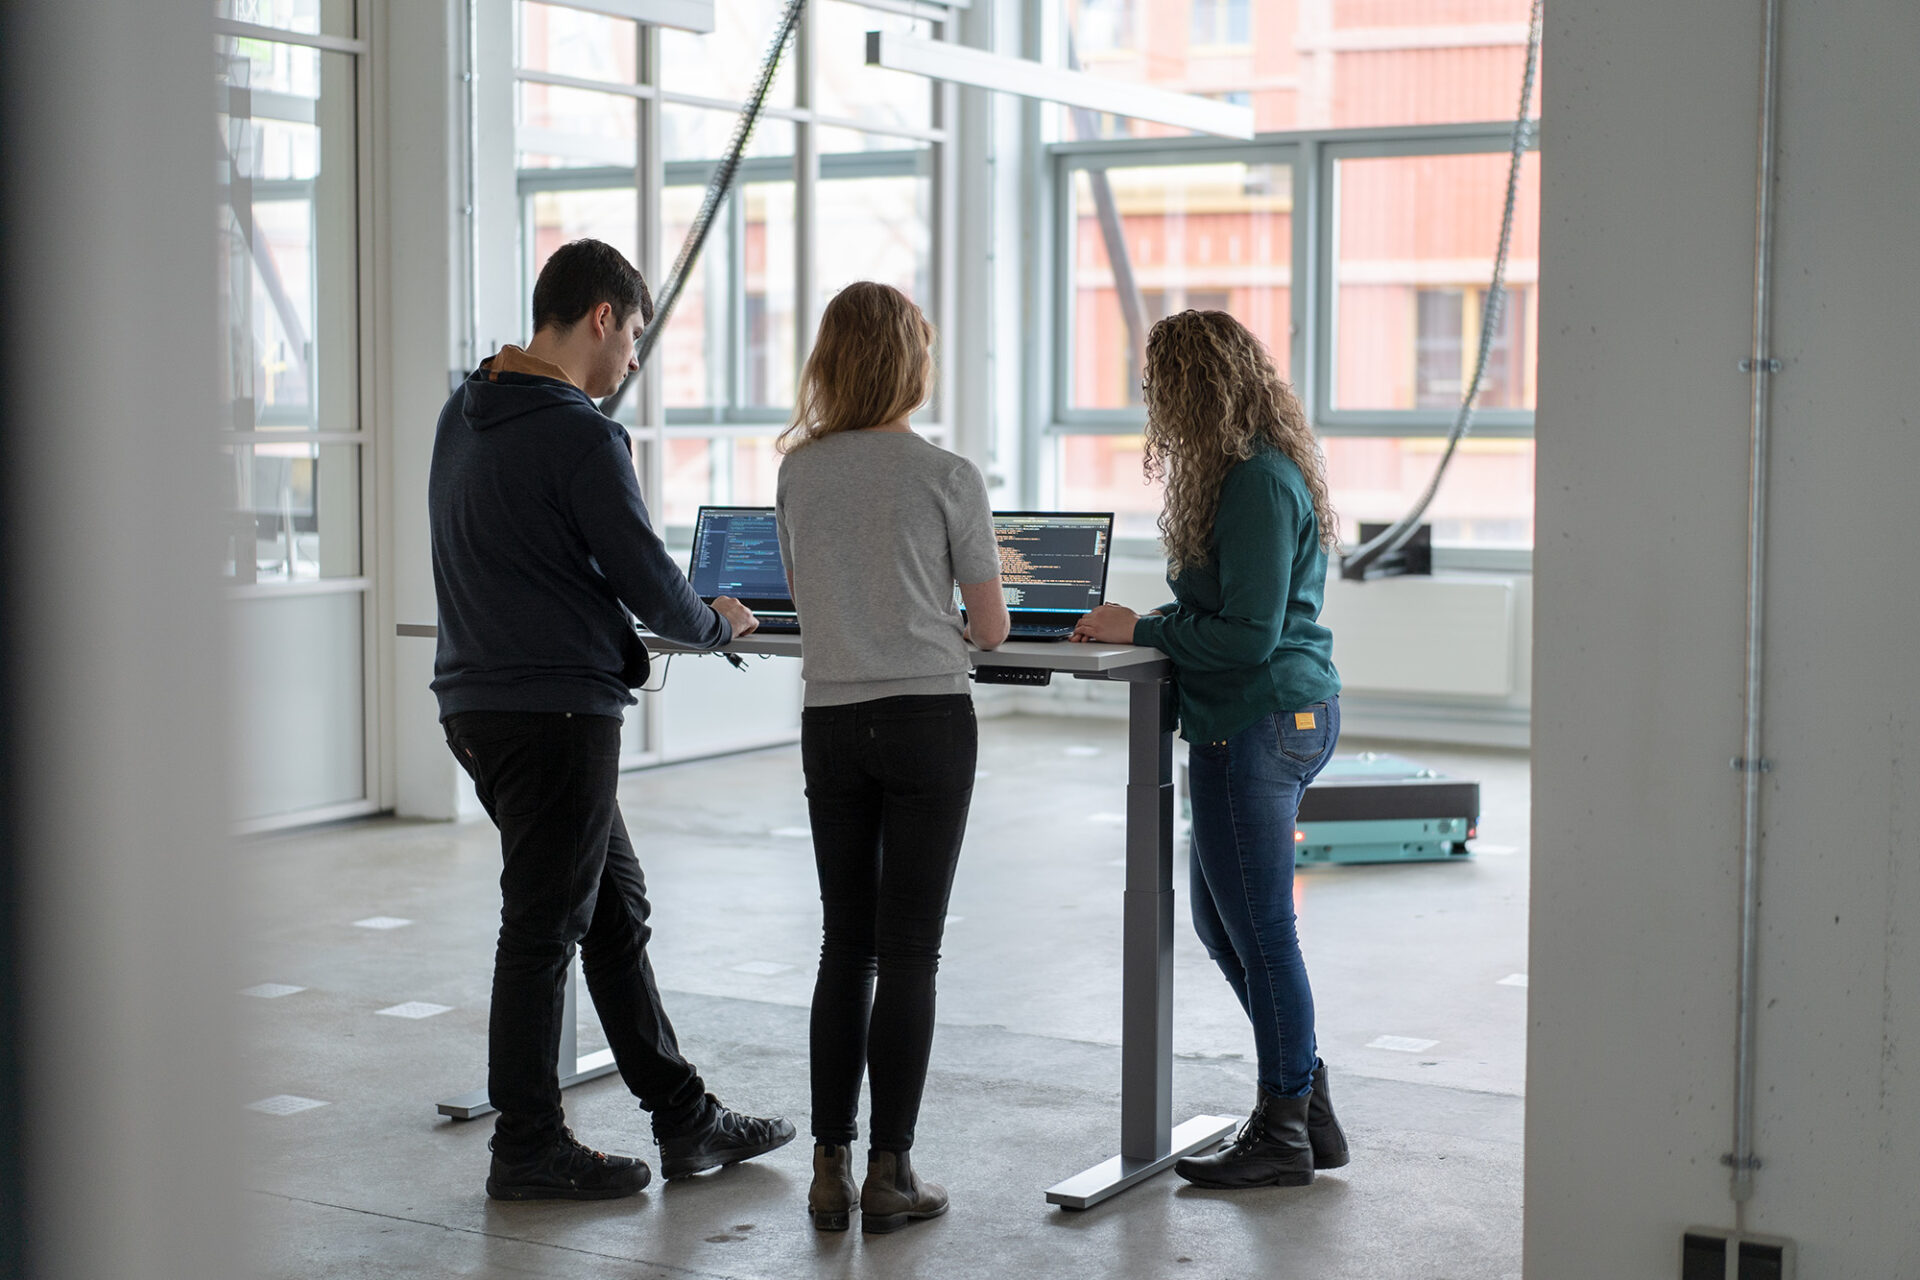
<point>573,1068</point>
<point>1149,1142</point>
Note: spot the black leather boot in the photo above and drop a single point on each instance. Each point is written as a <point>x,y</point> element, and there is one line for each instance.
<point>833,1194</point>
<point>1323,1130</point>
<point>1271,1150</point>
<point>894,1195</point>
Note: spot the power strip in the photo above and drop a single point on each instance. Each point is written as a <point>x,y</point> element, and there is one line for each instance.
<point>1030,676</point>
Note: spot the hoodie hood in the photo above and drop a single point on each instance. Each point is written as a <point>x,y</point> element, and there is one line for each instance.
<point>512,384</point>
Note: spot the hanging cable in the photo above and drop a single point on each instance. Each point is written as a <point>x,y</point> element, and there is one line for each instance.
<point>718,188</point>
<point>1381,552</point>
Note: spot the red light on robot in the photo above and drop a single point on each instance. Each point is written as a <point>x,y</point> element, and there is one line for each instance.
<point>1299,836</point>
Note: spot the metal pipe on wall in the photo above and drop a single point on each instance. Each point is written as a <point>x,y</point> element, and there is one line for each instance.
<point>1752,765</point>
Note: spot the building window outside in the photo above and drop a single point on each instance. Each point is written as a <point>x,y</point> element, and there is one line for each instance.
<point>1221,22</point>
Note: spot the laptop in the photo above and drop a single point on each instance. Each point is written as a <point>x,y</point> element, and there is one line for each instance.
<point>736,552</point>
<point>1053,568</point>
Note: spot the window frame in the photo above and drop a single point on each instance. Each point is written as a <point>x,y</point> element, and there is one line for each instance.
<point>1314,155</point>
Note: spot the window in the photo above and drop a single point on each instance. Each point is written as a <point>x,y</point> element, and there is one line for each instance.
<point>1414,251</point>
<point>1207,236</point>
<point>288,443</point>
<point>1220,22</point>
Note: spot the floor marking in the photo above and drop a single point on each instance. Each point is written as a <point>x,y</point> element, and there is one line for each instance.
<point>413,1009</point>
<point>793,833</point>
<point>1512,980</point>
<point>955,919</point>
<point>382,922</point>
<point>284,1104</point>
<point>1082,751</point>
<point>762,968</point>
<point>1117,862</point>
<point>1492,850</point>
<point>271,990</point>
<point>1108,819</point>
<point>1401,1044</point>
<point>981,773</point>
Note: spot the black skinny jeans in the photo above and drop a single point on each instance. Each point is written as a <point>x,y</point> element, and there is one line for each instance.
<point>547,780</point>
<point>888,786</point>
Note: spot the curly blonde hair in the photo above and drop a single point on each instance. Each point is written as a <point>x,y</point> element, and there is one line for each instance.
<point>1212,396</point>
<point>872,363</point>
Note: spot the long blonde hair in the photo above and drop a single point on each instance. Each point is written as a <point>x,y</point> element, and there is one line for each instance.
<point>1212,397</point>
<point>872,363</point>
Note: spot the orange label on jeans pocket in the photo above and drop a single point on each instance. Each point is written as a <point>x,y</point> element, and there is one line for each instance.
<point>1303,720</point>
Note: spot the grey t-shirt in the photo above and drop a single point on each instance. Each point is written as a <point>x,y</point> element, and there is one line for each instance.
<point>876,527</point>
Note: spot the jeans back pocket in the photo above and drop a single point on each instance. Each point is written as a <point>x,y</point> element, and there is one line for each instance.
<point>1305,734</point>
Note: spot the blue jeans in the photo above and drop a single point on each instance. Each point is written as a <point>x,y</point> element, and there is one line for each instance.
<point>1246,799</point>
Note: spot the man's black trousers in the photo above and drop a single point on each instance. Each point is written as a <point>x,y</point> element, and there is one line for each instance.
<point>548,781</point>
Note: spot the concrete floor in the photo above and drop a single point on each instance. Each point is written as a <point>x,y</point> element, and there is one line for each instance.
<point>1025,1078</point>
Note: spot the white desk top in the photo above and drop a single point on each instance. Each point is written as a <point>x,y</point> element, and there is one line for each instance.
<point>1063,656</point>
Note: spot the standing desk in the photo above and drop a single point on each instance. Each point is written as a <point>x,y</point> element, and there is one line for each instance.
<point>1149,1140</point>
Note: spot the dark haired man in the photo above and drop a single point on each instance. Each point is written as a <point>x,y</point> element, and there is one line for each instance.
<point>541,546</point>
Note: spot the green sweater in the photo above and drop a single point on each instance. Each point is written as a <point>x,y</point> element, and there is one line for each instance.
<point>1243,630</point>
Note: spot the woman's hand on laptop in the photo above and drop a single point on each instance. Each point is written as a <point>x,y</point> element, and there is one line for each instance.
<point>741,617</point>
<point>1109,624</point>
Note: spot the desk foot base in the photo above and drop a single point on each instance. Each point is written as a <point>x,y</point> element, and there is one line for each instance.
<point>1111,1177</point>
<point>471,1106</point>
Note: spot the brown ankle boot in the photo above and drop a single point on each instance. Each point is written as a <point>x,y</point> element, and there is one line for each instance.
<point>832,1196</point>
<point>894,1195</point>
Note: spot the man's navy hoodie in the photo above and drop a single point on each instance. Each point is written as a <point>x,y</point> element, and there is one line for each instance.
<point>539,537</point>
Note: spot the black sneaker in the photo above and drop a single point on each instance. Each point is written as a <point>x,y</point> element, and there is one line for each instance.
<point>722,1137</point>
<point>566,1170</point>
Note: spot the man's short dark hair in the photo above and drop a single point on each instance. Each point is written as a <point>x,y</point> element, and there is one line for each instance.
<point>582,275</point>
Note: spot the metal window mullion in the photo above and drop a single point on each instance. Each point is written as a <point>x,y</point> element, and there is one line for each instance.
<point>553,79</point>
<point>1325,313</point>
<point>736,300</point>
<point>1305,340</point>
<point>279,35</point>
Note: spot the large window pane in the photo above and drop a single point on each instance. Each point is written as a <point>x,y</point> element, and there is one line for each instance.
<point>1485,501</point>
<point>700,133</point>
<point>1207,237</point>
<point>851,90</point>
<point>1102,473</point>
<point>561,128</point>
<point>717,470</point>
<point>1416,239</point>
<point>572,42</point>
<point>288,261</point>
<point>876,229</point>
<point>296,509</point>
<point>726,63</point>
<point>1335,64</point>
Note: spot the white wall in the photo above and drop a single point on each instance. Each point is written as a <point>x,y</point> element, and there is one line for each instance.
<point>1647,231</point>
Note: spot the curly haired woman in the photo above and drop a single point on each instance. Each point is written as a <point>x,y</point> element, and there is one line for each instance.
<point>1247,526</point>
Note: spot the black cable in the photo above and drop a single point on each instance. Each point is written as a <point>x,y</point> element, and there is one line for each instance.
<point>1355,563</point>
<point>718,188</point>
